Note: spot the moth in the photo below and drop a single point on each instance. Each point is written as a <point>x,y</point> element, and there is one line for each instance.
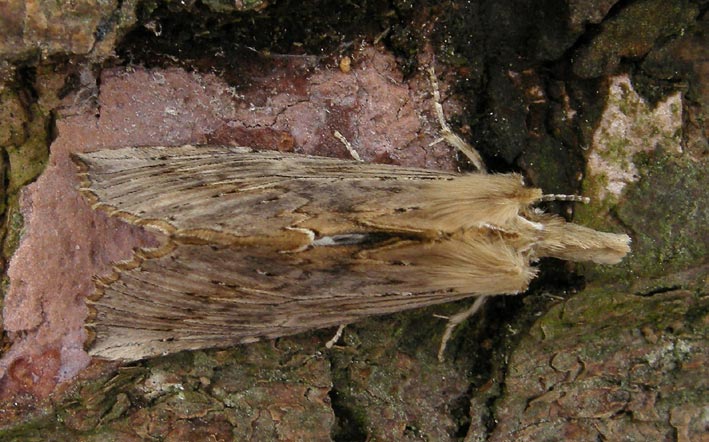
<point>257,245</point>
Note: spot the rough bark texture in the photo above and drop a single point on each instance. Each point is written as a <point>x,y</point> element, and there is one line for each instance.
<point>608,97</point>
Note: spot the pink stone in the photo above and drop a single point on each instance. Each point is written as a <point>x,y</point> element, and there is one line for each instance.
<point>294,106</point>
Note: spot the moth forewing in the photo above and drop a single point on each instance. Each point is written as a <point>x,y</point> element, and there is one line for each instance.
<point>452,203</point>
<point>266,244</point>
<point>227,189</point>
<point>199,296</point>
<point>461,263</point>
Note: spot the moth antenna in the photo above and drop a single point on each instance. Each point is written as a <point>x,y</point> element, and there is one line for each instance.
<point>562,197</point>
<point>348,146</point>
<point>447,133</point>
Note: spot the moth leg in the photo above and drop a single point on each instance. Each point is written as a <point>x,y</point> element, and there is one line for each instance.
<point>447,133</point>
<point>336,337</point>
<point>456,320</point>
<point>348,146</point>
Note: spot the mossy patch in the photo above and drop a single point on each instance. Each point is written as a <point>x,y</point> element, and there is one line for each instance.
<point>608,352</point>
<point>666,213</point>
<point>28,160</point>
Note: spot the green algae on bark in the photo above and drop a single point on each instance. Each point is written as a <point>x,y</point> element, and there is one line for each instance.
<point>607,353</point>
<point>665,213</point>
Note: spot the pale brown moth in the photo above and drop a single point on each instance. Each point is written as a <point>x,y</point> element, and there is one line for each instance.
<point>257,245</point>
